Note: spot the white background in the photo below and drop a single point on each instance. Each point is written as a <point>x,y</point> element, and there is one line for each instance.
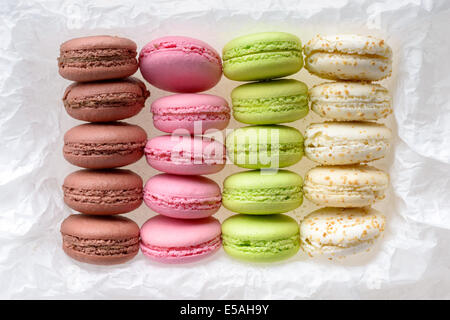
<point>411,261</point>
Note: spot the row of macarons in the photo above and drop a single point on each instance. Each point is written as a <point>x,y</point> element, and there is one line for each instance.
<point>329,232</point>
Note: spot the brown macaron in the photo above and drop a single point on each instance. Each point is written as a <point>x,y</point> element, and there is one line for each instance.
<point>103,192</point>
<point>97,58</point>
<point>104,145</point>
<point>104,101</point>
<point>103,240</point>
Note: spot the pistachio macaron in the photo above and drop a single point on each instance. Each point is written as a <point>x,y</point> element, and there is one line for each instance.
<point>257,192</point>
<point>265,146</point>
<point>340,231</point>
<point>260,238</point>
<point>262,56</point>
<point>348,57</point>
<point>346,142</point>
<point>270,102</point>
<point>345,186</point>
<point>350,101</point>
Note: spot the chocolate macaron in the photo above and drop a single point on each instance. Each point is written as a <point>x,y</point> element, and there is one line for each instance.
<point>103,240</point>
<point>103,192</point>
<point>104,145</point>
<point>97,58</point>
<point>103,101</point>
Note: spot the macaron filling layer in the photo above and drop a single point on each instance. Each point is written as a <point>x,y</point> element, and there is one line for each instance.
<point>90,149</point>
<point>262,246</point>
<point>183,157</point>
<point>105,100</point>
<point>179,252</point>
<point>103,196</point>
<point>262,47</point>
<point>188,48</point>
<point>191,113</point>
<point>272,195</point>
<point>276,104</point>
<point>183,203</point>
<point>108,57</point>
<point>101,247</point>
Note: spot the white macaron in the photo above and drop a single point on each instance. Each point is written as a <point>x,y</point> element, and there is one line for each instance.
<point>350,101</point>
<point>340,231</point>
<point>346,142</point>
<point>345,186</point>
<point>348,57</point>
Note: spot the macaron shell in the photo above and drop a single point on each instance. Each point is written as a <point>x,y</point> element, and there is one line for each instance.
<point>100,58</point>
<point>183,197</point>
<point>350,101</point>
<point>340,231</point>
<point>171,240</point>
<point>105,101</point>
<point>180,64</point>
<point>260,238</point>
<point>190,113</point>
<point>185,155</point>
<point>345,186</point>
<point>262,56</point>
<point>340,143</point>
<point>104,145</point>
<point>103,192</point>
<point>253,192</point>
<point>270,102</point>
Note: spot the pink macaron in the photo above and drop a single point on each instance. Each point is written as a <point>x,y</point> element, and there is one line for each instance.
<point>171,240</point>
<point>183,197</point>
<point>180,64</point>
<point>185,155</point>
<point>190,113</point>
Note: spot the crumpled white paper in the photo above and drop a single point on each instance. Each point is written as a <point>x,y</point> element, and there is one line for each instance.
<point>411,261</point>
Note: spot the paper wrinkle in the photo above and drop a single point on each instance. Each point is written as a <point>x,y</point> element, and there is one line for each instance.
<point>410,261</point>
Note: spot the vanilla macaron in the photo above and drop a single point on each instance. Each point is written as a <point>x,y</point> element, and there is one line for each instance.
<point>348,57</point>
<point>350,101</point>
<point>340,231</point>
<point>345,186</point>
<point>346,142</point>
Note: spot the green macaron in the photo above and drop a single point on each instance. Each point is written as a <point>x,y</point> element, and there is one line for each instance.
<point>260,192</point>
<point>262,56</point>
<point>265,146</point>
<point>270,102</point>
<point>260,238</point>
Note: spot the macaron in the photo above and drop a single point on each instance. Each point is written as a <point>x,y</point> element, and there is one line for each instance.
<point>103,192</point>
<point>350,101</point>
<point>348,57</point>
<point>257,192</point>
<point>260,238</point>
<point>265,146</point>
<point>185,155</point>
<point>270,102</point>
<point>189,113</point>
<point>104,240</point>
<point>262,56</point>
<point>104,101</point>
<point>170,240</point>
<point>345,186</point>
<point>346,142</point>
<point>183,197</point>
<point>340,231</point>
<point>180,64</point>
<point>104,145</point>
<point>97,58</point>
